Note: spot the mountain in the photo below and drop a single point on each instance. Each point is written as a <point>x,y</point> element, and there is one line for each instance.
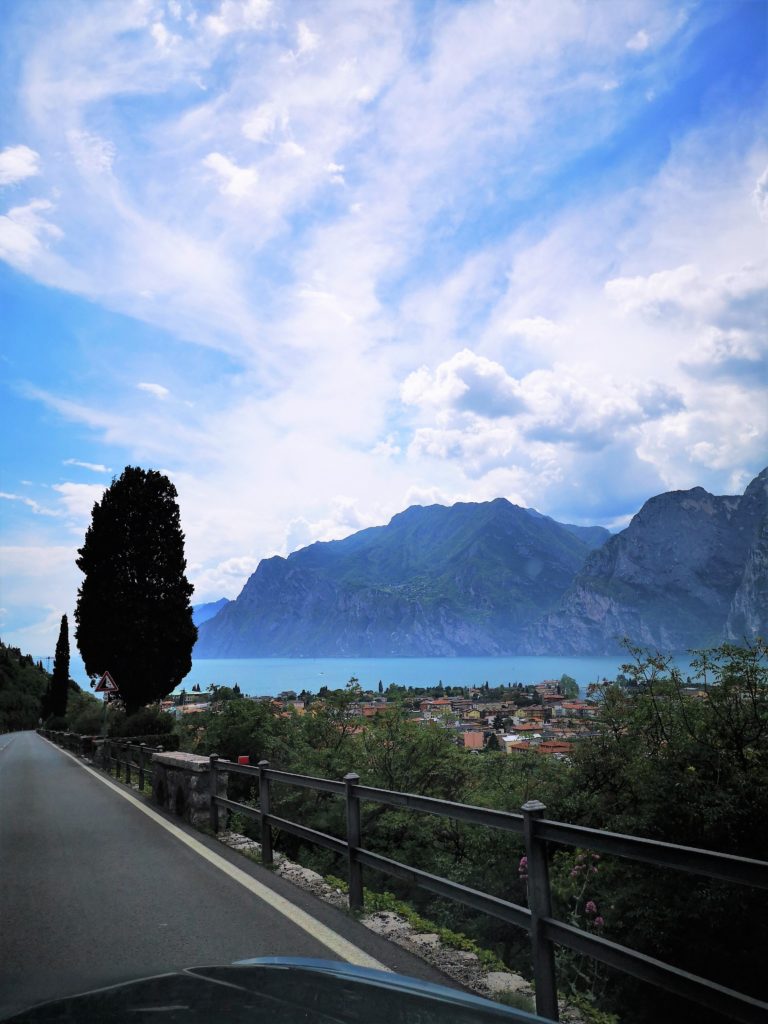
<point>435,581</point>
<point>690,570</point>
<point>203,612</point>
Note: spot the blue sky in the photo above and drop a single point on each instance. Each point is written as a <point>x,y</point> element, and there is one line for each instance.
<point>320,261</point>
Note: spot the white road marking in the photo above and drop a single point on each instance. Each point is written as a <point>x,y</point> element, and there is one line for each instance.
<point>343,949</point>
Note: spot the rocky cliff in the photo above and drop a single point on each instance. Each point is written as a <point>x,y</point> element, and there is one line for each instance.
<point>690,570</point>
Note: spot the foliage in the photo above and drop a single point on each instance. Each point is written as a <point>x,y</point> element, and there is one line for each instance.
<point>378,902</point>
<point>577,893</point>
<point>688,766</point>
<point>568,686</point>
<point>23,685</point>
<point>56,699</point>
<point>133,613</point>
<point>85,713</point>
<point>239,727</point>
<point>517,1000</point>
<point>145,721</point>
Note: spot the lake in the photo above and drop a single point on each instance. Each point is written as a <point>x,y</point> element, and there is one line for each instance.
<point>261,676</point>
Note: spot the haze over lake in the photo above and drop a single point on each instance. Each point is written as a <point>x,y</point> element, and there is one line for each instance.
<point>261,676</point>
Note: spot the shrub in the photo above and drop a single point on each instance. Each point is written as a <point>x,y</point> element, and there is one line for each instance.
<point>146,721</point>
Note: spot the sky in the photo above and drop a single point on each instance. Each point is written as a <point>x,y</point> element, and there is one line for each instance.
<point>322,261</point>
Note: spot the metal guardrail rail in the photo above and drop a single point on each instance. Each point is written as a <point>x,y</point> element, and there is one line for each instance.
<point>535,830</point>
<point>122,756</point>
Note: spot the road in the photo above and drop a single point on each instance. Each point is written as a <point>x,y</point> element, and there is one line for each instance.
<point>93,891</point>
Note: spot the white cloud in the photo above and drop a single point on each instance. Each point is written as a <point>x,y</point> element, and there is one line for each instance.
<point>78,500</point>
<point>534,328</point>
<point>306,39</point>
<point>639,42</point>
<point>18,163</point>
<point>761,195</point>
<point>658,293</point>
<point>388,447</point>
<point>482,418</point>
<point>238,16</point>
<point>235,181</point>
<point>94,467</point>
<point>36,507</point>
<point>466,382</point>
<point>164,39</point>
<point>153,389</point>
<point>261,123</point>
<point>91,153</point>
<point>23,232</point>
<point>224,579</point>
<point>344,518</point>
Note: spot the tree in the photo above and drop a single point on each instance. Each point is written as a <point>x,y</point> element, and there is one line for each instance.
<point>59,689</point>
<point>568,686</point>
<point>381,687</point>
<point>133,613</point>
<point>688,768</point>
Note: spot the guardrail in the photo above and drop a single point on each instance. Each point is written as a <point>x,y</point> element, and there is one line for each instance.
<point>537,832</point>
<point>117,754</point>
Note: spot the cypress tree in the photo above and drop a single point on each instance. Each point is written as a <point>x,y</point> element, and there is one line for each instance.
<point>134,617</point>
<point>59,687</point>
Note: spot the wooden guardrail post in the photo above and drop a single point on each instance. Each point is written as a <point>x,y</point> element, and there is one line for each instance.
<point>141,767</point>
<point>354,869</point>
<point>266,831</point>
<point>212,781</point>
<point>540,905</point>
<point>128,763</point>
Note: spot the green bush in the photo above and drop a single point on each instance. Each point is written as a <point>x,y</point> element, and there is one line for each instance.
<point>88,722</point>
<point>146,721</point>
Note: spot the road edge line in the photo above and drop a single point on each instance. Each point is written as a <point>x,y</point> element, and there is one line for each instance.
<point>336,943</point>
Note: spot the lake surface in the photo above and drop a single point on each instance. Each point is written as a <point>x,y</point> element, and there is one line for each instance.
<point>262,676</point>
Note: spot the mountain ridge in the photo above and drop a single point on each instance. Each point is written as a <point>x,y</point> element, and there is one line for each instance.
<point>492,578</point>
<point>435,580</point>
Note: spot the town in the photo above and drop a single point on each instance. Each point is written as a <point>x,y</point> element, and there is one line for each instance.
<point>547,718</point>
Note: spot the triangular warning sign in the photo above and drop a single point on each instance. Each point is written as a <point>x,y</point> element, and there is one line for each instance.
<point>106,684</point>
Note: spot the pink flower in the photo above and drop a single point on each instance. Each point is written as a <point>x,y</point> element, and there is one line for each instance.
<point>523,865</point>
<point>591,907</point>
<point>599,922</point>
<point>594,871</point>
<point>574,873</point>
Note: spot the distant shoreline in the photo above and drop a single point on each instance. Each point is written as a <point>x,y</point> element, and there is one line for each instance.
<point>270,676</point>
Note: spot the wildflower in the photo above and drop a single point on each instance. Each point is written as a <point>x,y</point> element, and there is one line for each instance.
<point>523,865</point>
<point>599,921</point>
<point>574,873</point>
<point>595,856</point>
<point>581,857</point>
<point>594,871</point>
<point>591,907</point>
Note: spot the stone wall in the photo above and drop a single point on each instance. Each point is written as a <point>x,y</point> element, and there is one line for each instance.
<point>181,784</point>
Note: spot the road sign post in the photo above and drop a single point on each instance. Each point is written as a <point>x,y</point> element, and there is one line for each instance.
<point>109,688</point>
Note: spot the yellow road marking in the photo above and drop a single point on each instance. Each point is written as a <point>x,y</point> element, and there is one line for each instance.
<point>338,945</point>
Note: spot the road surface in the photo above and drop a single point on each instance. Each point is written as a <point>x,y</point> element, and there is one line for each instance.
<point>93,891</point>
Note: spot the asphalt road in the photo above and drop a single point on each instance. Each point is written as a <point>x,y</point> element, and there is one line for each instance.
<point>94,892</point>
